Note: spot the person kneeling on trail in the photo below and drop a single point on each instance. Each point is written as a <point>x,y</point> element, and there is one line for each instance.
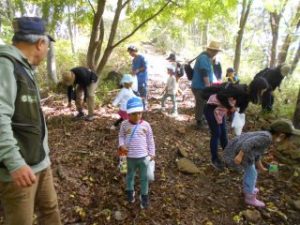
<point>81,79</point>
<point>244,152</point>
<point>264,83</point>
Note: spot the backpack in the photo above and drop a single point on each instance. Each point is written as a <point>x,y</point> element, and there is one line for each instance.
<point>188,69</point>
<point>179,70</point>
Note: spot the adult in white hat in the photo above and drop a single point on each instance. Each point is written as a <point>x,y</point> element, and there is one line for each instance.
<point>203,77</point>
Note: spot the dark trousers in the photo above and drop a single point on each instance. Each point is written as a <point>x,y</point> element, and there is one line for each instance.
<point>267,101</point>
<point>217,131</point>
<point>199,104</point>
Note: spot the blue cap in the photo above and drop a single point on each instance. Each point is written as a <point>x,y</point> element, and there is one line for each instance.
<point>127,78</point>
<point>30,25</point>
<point>135,104</point>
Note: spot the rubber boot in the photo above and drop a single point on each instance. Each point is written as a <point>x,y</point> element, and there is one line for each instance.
<point>250,199</point>
<point>255,191</point>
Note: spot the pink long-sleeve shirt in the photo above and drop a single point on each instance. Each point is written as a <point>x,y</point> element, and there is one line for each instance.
<point>141,144</point>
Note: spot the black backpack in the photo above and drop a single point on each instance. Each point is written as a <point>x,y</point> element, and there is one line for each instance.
<point>188,69</point>
<point>179,70</point>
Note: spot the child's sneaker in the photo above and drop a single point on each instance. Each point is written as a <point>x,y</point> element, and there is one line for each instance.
<point>130,196</point>
<point>163,109</point>
<point>174,114</point>
<point>144,201</point>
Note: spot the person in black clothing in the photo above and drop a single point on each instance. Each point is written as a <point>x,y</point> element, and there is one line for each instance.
<point>83,80</point>
<point>179,69</point>
<point>264,83</point>
<point>217,67</point>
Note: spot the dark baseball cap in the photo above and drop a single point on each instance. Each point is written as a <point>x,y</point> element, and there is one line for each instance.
<point>30,25</point>
<point>172,56</point>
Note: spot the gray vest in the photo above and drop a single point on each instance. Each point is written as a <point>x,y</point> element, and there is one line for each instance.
<point>28,123</point>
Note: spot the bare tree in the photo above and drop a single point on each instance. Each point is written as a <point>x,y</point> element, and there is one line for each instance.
<point>98,51</point>
<point>275,17</point>
<point>243,20</point>
<point>296,119</point>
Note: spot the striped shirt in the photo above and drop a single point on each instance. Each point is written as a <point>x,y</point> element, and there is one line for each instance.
<point>253,144</point>
<point>141,142</point>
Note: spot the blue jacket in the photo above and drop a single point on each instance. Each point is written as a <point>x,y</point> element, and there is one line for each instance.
<point>202,68</point>
<point>137,63</point>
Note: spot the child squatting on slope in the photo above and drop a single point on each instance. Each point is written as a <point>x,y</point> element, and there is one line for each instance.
<point>245,152</point>
<point>136,138</point>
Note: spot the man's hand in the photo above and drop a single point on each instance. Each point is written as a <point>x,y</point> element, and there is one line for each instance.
<point>23,177</point>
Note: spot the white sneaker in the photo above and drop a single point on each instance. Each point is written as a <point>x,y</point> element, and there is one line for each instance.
<point>175,114</point>
<point>113,127</point>
<point>163,109</point>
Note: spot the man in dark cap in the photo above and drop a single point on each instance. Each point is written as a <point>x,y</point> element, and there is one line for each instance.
<point>26,182</point>
<point>140,70</point>
<point>179,69</point>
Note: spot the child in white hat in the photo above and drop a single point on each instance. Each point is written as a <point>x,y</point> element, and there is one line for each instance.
<point>122,98</point>
<point>136,139</point>
<point>170,90</point>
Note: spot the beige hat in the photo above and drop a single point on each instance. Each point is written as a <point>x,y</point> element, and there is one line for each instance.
<point>68,78</point>
<point>284,126</point>
<point>285,69</point>
<point>214,45</point>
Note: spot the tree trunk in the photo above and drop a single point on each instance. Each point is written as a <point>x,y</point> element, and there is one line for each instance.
<point>244,16</point>
<point>70,29</point>
<point>295,22</point>
<point>204,34</point>
<point>296,119</point>
<point>51,65</point>
<point>296,59</point>
<point>96,60</point>
<point>274,22</point>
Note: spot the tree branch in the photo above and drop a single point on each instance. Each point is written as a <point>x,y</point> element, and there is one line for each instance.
<point>142,24</point>
<point>125,3</point>
<point>92,6</point>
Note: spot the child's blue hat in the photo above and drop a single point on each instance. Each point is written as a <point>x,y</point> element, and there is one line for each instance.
<point>127,78</point>
<point>135,104</point>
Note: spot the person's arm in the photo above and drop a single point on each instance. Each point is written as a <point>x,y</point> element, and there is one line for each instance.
<point>122,137</point>
<point>260,166</point>
<point>10,155</point>
<point>118,99</point>
<point>239,157</point>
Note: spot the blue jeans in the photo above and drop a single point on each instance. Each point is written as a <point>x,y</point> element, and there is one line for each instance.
<point>173,98</point>
<point>217,131</point>
<point>250,177</point>
<point>134,164</point>
<point>143,91</point>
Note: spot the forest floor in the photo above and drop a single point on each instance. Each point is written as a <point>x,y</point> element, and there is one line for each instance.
<point>92,191</point>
